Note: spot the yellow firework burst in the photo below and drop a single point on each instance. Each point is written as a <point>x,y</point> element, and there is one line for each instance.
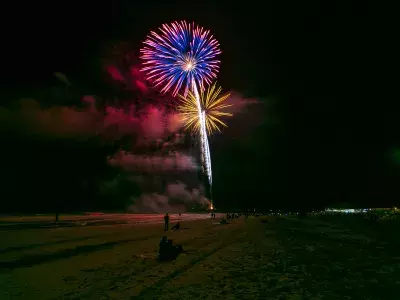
<point>209,104</point>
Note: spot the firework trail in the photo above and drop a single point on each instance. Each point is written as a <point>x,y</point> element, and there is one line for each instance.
<point>183,56</point>
<point>210,105</point>
<point>206,157</point>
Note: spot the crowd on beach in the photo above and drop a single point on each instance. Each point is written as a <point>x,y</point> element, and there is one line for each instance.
<point>169,251</point>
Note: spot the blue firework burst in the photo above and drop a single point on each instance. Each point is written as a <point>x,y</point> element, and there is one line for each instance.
<point>179,55</point>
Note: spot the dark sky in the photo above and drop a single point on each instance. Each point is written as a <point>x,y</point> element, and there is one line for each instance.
<point>310,63</point>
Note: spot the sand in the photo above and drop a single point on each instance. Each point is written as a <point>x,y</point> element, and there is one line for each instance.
<point>246,259</point>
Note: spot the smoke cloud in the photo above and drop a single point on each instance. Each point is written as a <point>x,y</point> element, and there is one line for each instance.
<point>171,162</point>
<point>132,78</point>
<point>177,198</point>
<point>239,104</point>
<point>152,129</point>
<point>146,125</point>
<point>149,123</point>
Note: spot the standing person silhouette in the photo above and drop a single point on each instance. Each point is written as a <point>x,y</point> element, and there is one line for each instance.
<point>166,222</point>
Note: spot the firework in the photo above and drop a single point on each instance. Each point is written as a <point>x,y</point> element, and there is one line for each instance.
<point>211,106</point>
<point>180,55</point>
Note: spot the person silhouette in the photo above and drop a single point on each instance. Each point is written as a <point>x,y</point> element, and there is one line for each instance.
<point>166,222</point>
<point>176,227</point>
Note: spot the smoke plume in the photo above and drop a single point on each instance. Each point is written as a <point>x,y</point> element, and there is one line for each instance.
<point>177,198</point>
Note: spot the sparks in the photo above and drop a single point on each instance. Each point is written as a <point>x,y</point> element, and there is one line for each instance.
<point>204,110</point>
<point>179,54</point>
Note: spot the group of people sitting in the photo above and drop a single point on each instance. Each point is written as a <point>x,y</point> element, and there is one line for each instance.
<point>228,217</point>
<point>232,216</point>
<point>177,226</point>
<point>223,221</point>
<point>167,250</point>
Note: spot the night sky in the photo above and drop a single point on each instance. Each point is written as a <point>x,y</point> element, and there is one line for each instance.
<point>313,140</point>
